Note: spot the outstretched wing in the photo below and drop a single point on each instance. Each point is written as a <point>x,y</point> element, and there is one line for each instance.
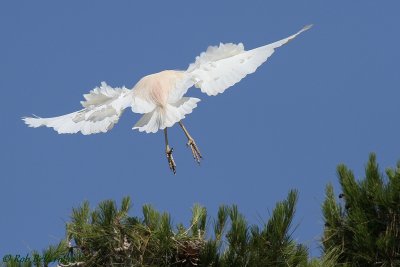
<point>102,108</point>
<point>221,67</point>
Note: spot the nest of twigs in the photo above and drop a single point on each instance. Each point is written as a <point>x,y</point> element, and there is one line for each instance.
<point>188,251</point>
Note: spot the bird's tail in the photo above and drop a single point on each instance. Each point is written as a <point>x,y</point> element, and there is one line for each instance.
<point>162,117</point>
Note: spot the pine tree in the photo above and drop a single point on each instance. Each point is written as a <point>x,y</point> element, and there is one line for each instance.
<point>363,227</point>
<point>108,236</point>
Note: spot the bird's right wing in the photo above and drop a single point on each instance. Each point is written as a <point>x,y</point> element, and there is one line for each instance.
<point>221,67</point>
<point>102,108</point>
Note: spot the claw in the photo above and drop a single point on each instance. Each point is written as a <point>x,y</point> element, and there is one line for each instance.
<point>171,162</point>
<point>195,150</point>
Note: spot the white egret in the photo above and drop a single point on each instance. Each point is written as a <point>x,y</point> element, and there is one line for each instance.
<point>160,96</point>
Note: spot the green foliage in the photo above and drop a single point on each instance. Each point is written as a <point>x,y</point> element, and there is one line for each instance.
<point>108,236</point>
<point>273,245</point>
<point>364,227</point>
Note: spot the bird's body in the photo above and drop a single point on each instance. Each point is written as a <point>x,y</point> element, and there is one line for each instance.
<point>160,96</point>
<point>158,87</point>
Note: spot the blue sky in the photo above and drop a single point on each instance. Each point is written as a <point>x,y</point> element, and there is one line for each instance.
<point>329,97</point>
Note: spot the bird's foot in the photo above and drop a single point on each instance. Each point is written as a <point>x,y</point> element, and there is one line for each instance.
<point>170,158</point>
<point>195,150</point>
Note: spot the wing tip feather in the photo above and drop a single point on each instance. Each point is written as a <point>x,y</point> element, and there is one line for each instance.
<point>307,27</point>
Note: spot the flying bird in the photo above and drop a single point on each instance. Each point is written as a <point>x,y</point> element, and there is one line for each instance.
<point>160,96</point>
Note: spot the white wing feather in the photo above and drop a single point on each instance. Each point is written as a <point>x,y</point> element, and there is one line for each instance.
<point>221,67</point>
<point>102,108</point>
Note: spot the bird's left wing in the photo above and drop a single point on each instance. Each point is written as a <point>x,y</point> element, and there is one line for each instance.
<point>221,67</point>
<point>102,108</point>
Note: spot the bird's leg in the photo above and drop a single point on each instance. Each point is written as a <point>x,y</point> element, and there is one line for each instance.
<point>192,144</point>
<point>168,152</point>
